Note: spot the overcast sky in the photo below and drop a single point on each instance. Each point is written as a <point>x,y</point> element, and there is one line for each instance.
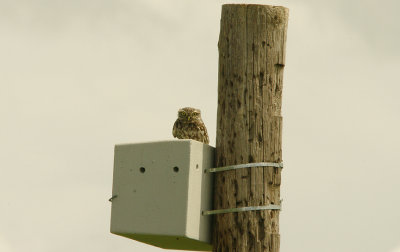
<point>78,77</point>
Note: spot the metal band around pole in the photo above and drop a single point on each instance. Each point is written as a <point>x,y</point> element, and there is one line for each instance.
<point>242,209</point>
<point>240,166</point>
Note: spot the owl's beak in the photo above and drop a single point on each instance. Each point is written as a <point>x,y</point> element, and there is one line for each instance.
<point>188,118</point>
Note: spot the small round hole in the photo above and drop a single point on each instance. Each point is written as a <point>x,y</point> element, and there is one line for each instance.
<point>142,169</point>
<point>197,166</point>
<point>176,169</point>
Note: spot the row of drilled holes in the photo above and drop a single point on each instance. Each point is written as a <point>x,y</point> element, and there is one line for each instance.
<point>143,170</point>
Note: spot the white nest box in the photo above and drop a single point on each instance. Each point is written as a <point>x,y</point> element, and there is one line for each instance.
<point>159,192</point>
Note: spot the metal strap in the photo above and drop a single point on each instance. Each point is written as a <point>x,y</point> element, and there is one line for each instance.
<point>240,166</point>
<point>242,209</point>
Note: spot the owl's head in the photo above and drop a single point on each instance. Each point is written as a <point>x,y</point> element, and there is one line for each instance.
<point>189,115</point>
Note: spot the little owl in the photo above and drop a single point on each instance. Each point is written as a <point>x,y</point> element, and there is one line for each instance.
<point>190,126</point>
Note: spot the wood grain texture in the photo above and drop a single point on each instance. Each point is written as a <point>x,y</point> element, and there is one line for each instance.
<point>249,125</point>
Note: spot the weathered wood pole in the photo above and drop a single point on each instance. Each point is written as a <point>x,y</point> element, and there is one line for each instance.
<point>249,125</point>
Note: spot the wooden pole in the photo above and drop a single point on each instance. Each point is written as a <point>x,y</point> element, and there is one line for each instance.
<point>249,125</point>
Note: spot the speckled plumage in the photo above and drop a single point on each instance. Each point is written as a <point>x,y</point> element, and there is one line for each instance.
<point>190,126</point>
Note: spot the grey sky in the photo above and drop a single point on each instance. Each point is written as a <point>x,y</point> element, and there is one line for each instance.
<point>77,77</point>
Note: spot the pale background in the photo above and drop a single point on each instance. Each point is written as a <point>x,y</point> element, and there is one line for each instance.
<point>77,77</point>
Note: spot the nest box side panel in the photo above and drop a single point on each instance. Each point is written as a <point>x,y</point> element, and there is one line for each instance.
<point>200,192</point>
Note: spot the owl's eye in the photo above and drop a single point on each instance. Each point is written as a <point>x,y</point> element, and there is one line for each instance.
<point>182,113</point>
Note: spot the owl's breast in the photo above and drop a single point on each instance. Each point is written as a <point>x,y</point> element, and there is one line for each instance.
<point>193,131</point>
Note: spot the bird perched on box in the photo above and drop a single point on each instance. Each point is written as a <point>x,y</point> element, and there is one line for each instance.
<point>190,126</point>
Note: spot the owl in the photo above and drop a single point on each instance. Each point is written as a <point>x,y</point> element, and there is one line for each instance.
<point>190,126</point>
